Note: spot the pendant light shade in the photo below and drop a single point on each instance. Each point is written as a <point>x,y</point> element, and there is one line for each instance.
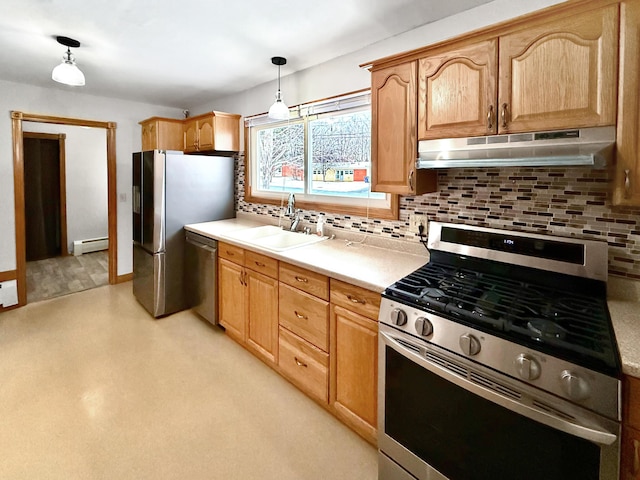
<point>279,110</point>
<point>68,72</point>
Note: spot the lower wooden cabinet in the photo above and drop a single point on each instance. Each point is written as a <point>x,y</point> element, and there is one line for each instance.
<point>354,373</point>
<point>630,450</point>
<point>319,333</point>
<point>262,315</point>
<point>231,295</point>
<point>248,299</point>
<point>305,365</point>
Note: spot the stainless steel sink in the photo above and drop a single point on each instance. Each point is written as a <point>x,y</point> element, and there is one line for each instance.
<point>272,237</point>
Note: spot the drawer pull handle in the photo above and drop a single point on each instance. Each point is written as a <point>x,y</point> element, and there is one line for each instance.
<point>260,264</point>
<point>301,279</point>
<point>627,184</point>
<point>355,300</point>
<point>490,118</point>
<point>300,316</point>
<point>229,253</point>
<point>504,115</point>
<point>636,457</point>
<point>299,363</point>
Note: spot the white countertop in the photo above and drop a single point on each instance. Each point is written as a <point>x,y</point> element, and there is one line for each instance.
<point>362,264</point>
<point>376,263</point>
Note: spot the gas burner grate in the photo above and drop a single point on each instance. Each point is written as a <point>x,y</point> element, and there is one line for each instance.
<point>568,323</point>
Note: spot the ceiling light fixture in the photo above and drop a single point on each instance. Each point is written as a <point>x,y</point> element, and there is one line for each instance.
<point>68,72</point>
<point>279,110</point>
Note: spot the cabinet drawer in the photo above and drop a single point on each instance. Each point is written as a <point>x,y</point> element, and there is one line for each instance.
<point>305,315</point>
<point>357,299</point>
<point>231,252</point>
<point>632,413</point>
<point>310,282</point>
<point>259,263</point>
<point>304,364</point>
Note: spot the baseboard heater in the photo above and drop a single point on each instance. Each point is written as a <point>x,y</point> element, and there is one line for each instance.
<point>90,245</point>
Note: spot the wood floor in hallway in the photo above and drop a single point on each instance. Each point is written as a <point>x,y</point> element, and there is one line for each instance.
<point>92,387</point>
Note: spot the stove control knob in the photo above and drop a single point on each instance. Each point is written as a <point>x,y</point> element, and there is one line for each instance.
<point>398,317</point>
<point>574,386</point>
<point>469,344</point>
<point>528,367</point>
<point>423,326</point>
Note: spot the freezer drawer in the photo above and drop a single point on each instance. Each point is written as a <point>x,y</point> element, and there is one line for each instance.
<point>149,280</point>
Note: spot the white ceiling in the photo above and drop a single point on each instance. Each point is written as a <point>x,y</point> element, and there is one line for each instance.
<point>183,53</point>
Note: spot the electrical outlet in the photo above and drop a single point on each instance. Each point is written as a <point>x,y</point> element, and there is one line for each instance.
<point>415,220</point>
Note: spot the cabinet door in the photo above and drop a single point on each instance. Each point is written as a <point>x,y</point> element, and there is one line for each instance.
<point>205,133</point>
<point>191,136</point>
<point>630,454</point>
<point>560,74</point>
<point>262,324</point>
<point>458,91</point>
<point>393,126</point>
<point>354,370</point>
<point>231,297</point>
<point>149,141</point>
<point>627,177</point>
<point>227,132</point>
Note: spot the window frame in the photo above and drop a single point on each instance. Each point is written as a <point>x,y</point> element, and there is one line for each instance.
<point>338,205</point>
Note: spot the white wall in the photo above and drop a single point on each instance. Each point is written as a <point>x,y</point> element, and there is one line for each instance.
<point>343,74</point>
<point>86,179</point>
<point>337,76</point>
<point>73,103</point>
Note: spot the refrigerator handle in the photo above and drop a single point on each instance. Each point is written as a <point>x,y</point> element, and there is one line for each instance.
<point>136,199</point>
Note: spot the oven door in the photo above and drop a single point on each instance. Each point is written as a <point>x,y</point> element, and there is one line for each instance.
<point>443,417</point>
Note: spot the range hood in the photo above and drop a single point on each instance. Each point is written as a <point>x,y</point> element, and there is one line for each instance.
<point>593,147</point>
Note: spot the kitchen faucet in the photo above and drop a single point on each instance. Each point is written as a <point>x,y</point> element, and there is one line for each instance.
<point>292,212</point>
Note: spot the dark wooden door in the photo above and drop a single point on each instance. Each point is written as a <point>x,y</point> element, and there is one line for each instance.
<point>42,198</point>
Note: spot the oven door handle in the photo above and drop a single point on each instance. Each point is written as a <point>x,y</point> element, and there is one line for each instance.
<point>596,435</point>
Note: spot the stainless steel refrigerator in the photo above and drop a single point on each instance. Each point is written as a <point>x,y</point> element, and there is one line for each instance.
<point>171,190</point>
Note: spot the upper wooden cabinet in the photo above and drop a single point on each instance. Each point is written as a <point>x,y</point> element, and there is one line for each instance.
<point>161,134</point>
<point>560,74</point>
<point>627,170</point>
<point>212,131</point>
<point>393,133</point>
<point>458,90</point>
<point>548,76</point>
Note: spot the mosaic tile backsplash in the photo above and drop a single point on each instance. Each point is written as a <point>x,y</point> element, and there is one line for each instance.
<point>572,202</point>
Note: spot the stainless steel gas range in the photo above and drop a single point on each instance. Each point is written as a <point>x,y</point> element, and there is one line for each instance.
<point>498,360</point>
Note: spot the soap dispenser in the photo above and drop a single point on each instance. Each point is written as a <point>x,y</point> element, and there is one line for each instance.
<point>320,225</point>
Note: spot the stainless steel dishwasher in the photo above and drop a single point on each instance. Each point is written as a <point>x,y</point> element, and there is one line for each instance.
<point>200,275</point>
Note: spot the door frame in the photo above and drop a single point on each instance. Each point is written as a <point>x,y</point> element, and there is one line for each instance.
<point>60,137</point>
<point>18,187</point>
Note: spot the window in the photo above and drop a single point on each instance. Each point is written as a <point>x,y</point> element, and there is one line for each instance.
<point>322,154</point>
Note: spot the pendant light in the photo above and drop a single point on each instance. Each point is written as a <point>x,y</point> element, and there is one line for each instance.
<point>68,72</point>
<point>279,110</point>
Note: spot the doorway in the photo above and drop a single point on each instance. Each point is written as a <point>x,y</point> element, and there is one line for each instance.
<point>19,192</point>
<point>45,195</point>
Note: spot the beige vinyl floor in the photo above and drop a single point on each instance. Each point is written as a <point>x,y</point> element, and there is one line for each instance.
<point>91,387</point>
